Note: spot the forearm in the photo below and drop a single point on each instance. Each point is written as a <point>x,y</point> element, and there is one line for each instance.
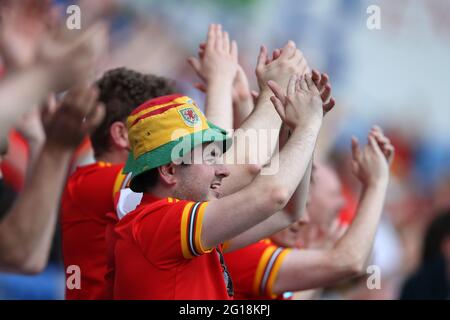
<point>269,193</point>
<point>242,108</point>
<point>34,151</point>
<point>313,294</point>
<point>293,161</point>
<point>27,230</point>
<point>264,125</point>
<point>297,204</point>
<point>219,107</point>
<point>280,220</point>
<point>355,246</point>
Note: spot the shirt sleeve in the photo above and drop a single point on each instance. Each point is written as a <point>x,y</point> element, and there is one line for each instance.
<point>174,235</point>
<point>254,269</point>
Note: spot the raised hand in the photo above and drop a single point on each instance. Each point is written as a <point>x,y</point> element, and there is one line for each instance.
<point>322,83</point>
<point>284,62</point>
<point>384,143</point>
<point>78,115</point>
<point>217,57</point>
<point>72,60</point>
<point>370,164</point>
<point>302,106</point>
<point>23,25</point>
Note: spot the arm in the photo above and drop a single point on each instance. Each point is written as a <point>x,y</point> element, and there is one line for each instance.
<point>230,216</point>
<point>31,129</point>
<point>27,230</point>
<point>307,269</point>
<point>243,103</point>
<point>217,67</point>
<point>264,118</point>
<point>61,65</point>
<point>279,220</point>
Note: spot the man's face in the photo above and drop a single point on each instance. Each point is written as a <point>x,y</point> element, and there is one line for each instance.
<point>324,204</point>
<point>288,237</point>
<point>201,180</point>
<point>326,199</point>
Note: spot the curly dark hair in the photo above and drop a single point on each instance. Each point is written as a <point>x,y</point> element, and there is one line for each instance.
<point>121,91</point>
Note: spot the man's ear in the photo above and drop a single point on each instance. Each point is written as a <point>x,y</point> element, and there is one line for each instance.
<point>167,174</point>
<point>119,135</point>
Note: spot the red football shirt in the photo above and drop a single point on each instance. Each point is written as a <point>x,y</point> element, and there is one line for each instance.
<point>159,255</point>
<point>88,197</point>
<point>254,270</point>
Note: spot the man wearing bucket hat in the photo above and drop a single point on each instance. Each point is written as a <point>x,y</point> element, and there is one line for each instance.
<point>170,246</point>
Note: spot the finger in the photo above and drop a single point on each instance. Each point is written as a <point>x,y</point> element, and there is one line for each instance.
<point>255,95</point>
<point>355,166</point>
<point>297,56</point>
<point>378,128</point>
<point>324,79</point>
<point>234,50</point>
<point>288,50</point>
<point>311,86</point>
<point>303,84</point>
<point>390,152</point>
<point>195,64</point>
<point>341,231</point>
<point>356,150</point>
<point>200,86</point>
<point>219,38</point>
<point>277,91</point>
<point>201,54</point>
<point>211,37</point>
<point>279,107</point>
<point>374,145</point>
<point>330,105</point>
<point>262,57</point>
<point>326,93</point>
<point>315,75</point>
<point>202,46</point>
<point>276,54</point>
<point>292,85</point>
<point>303,66</point>
<point>226,42</point>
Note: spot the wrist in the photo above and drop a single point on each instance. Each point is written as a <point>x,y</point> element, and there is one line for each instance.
<point>220,79</point>
<point>312,125</point>
<point>378,183</point>
<point>57,150</point>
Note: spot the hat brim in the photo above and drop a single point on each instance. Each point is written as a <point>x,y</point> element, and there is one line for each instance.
<point>165,154</point>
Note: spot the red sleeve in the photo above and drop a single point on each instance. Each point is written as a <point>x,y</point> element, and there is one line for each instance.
<point>173,233</point>
<point>254,269</point>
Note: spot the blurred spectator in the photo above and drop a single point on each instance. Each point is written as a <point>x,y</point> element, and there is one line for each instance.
<point>432,279</point>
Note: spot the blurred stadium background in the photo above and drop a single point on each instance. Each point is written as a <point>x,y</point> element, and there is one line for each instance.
<point>397,77</point>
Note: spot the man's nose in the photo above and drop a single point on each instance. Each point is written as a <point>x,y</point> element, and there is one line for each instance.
<point>305,219</point>
<point>222,170</point>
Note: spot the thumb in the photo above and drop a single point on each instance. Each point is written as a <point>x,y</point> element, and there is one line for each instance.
<point>195,64</point>
<point>356,151</point>
<point>200,86</point>
<point>262,57</point>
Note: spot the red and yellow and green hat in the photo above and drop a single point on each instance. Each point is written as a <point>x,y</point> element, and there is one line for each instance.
<point>159,125</point>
